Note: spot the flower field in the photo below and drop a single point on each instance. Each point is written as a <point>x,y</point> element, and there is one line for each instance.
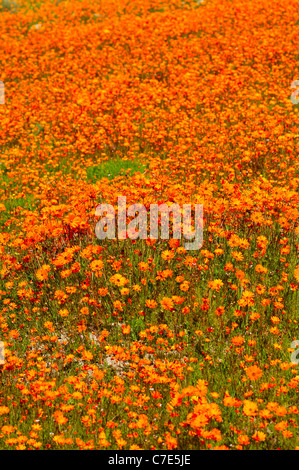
<point>141,344</point>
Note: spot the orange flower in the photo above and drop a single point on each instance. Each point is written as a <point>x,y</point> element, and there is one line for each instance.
<point>215,285</point>
<point>96,265</point>
<point>4,410</point>
<point>184,286</point>
<point>243,440</point>
<point>254,372</point>
<point>171,442</point>
<point>42,273</point>
<point>7,429</point>
<point>151,303</point>
<point>275,320</point>
<point>219,311</point>
<point>250,408</point>
<point>86,355</point>
<point>260,269</point>
<point>103,291</point>
<point>238,255</point>
<point>119,280</point>
<point>237,340</point>
<point>240,274</point>
<point>60,418</point>
<point>84,311</point>
<point>281,426</point>
<point>49,326</point>
<point>167,303</point>
<point>126,329</point>
<point>63,313</point>
<point>247,299</point>
<point>230,401</point>
<point>143,266</point>
<point>117,305</point>
<point>260,289</point>
<point>259,436</point>
<point>167,255</point>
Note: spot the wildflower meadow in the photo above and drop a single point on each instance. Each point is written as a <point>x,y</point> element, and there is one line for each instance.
<point>138,343</point>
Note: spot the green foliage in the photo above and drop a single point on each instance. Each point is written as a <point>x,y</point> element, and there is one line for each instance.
<point>113,168</point>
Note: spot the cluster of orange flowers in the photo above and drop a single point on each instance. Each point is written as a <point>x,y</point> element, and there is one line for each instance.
<point>142,344</point>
